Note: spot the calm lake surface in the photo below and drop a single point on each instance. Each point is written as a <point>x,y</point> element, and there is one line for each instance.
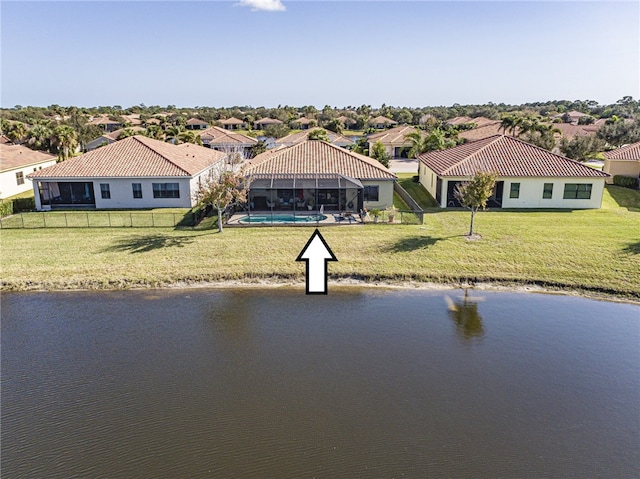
<point>259,383</point>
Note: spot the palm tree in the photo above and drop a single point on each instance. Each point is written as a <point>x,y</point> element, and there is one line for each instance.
<point>66,139</point>
<point>17,131</point>
<point>39,136</point>
<point>187,136</point>
<point>172,134</point>
<point>155,132</point>
<point>418,143</point>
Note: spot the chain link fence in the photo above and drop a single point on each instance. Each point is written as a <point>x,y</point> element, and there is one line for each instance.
<point>98,219</point>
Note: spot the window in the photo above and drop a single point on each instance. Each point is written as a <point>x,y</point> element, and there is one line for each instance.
<point>515,190</point>
<point>105,191</point>
<point>166,190</point>
<point>20,178</point>
<point>547,192</point>
<point>371,193</point>
<point>577,191</point>
<point>137,190</point>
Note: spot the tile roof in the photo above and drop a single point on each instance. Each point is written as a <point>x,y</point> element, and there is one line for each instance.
<point>16,156</point>
<point>318,157</point>
<point>196,121</point>
<point>627,152</point>
<point>570,131</point>
<point>114,135</point>
<point>268,121</point>
<point>382,119</point>
<point>482,132</point>
<point>507,156</point>
<point>232,121</point>
<point>136,156</point>
<point>304,135</point>
<point>215,135</point>
<point>302,121</point>
<point>393,135</point>
<point>103,120</point>
<point>459,119</point>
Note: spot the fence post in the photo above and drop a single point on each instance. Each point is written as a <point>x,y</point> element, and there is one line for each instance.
<point>109,216</point>
<point>44,220</point>
<point>22,218</point>
<point>153,222</point>
<point>66,224</point>
<point>174,219</point>
<point>87,213</point>
<point>130,220</point>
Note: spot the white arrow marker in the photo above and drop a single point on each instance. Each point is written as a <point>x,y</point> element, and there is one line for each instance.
<point>316,253</point>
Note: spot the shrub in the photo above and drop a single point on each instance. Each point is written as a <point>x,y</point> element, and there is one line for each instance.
<point>6,208</point>
<point>626,181</point>
<point>415,179</point>
<point>24,204</point>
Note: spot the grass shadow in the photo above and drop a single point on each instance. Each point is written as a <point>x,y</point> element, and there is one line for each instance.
<point>411,244</point>
<point>625,197</point>
<point>632,248</point>
<point>144,244</point>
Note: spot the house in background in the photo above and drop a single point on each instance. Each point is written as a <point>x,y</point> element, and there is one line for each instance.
<point>393,140</point>
<point>380,122</point>
<point>264,122</point>
<point>233,124</point>
<point>109,138</point>
<point>303,123</point>
<point>314,174</point>
<point>227,141</point>
<point>294,138</point>
<point>624,161</point>
<point>17,163</point>
<point>196,124</point>
<point>137,172</point>
<point>528,176</point>
<point>105,123</point>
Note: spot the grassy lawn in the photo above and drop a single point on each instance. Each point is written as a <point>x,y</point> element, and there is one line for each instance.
<point>416,190</point>
<point>594,250</point>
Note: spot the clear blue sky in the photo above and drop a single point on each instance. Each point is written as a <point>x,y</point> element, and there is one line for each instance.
<point>402,53</point>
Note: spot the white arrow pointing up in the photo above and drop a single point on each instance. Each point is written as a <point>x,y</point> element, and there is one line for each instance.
<point>316,253</point>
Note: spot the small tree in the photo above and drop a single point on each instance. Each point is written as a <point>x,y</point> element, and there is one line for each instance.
<point>475,193</point>
<point>222,190</point>
<point>319,134</point>
<point>379,152</point>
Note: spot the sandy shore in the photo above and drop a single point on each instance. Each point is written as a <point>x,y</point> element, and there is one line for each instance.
<point>342,283</point>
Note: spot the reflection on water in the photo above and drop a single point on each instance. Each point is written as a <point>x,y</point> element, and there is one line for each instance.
<point>274,383</point>
<point>466,316</point>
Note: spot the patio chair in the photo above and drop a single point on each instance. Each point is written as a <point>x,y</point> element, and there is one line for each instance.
<point>338,218</point>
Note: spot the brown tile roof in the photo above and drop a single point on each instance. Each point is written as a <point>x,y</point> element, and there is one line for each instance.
<point>318,157</point>
<point>507,156</point>
<point>215,135</point>
<point>268,121</point>
<point>304,135</point>
<point>482,132</point>
<point>459,119</point>
<point>570,131</point>
<point>382,119</point>
<point>134,119</point>
<point>136,156</point>
<point>627,152</point>
<point>232,121</point>
<point>103,120</point>
<point>4,139</point>
<point>302,121</point>
<point>196,121</point>
<point>17,156</point>
<point>393,135</point>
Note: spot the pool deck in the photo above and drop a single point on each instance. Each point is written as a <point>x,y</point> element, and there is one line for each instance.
<point>331,220</point>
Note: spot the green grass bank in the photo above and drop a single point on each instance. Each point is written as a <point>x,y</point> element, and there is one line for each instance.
<point>593,251</point>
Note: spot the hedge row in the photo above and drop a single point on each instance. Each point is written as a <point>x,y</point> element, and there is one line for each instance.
<point>17,205</point>
<point>626,181</point>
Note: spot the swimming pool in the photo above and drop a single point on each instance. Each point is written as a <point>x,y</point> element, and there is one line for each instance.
<point>282,218</point>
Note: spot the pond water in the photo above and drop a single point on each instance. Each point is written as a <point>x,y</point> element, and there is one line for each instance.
<point>255,383</point>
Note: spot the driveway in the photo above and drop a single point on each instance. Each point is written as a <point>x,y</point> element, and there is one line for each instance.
<point>404,165</point>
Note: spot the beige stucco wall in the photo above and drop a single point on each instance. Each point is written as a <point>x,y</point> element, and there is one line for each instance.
<point>8,183</point>
<point>385,195</point>
<point>621,167</point>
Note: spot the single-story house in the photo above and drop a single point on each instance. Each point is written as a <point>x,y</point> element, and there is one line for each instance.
<point>348,122</point>
<point>393,140</point>
<point>314,174</point>
<point>105,123</point>
<point>264,122</point>
<point>380,122</point>
<point>528,176</point>
<point>109,138</point>
<point>226,141</point>
<point>137,172</point>
<point>232,124</point>
<point>196,124</point>
<point>303,123</point>
<point>17,162</point>
<point>294,138</point>
<point>624,161</point>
